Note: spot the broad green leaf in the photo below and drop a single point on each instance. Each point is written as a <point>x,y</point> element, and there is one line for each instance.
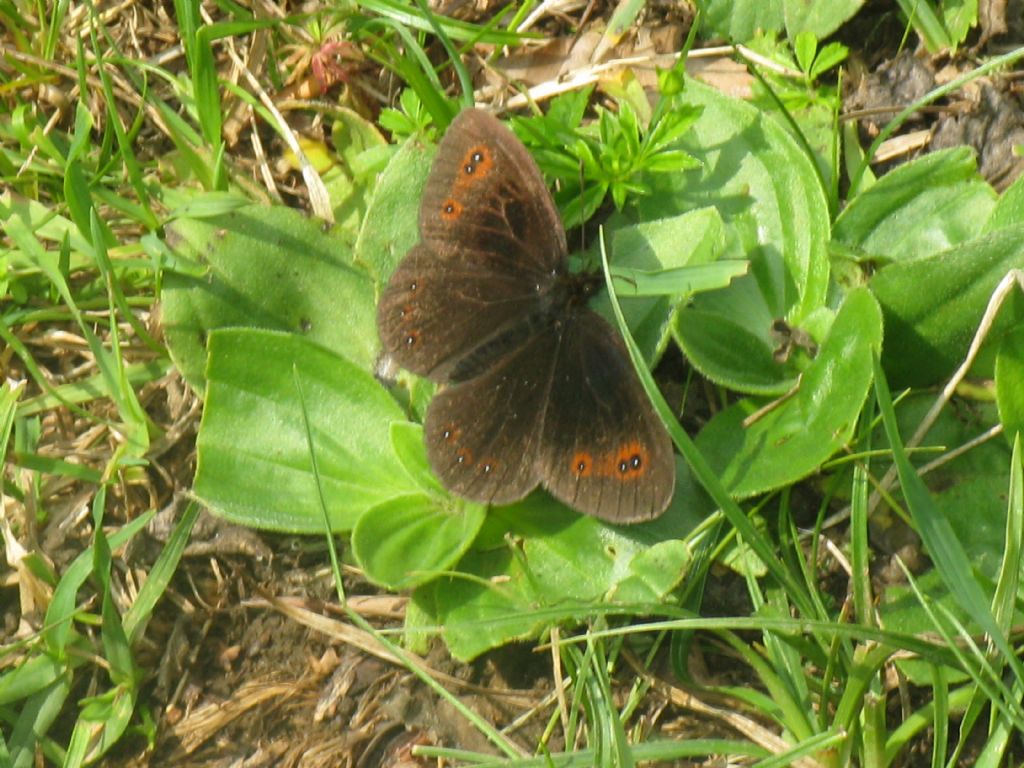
<point>775,215</point>
<point>729,353</point>
<point>932,305</point>
<point>410,540</point>
<point>407,440</point>
<point>663,249</point>
<point>488,603</point>
<point>536,563</point>
<point>653,572</point>
<point>267,267</point>
<point>688,239</point>
<point>923,207</point>
<point>794,438</point>
<point>390,227</point>
<point>572,556</point>
<point>253,451</point>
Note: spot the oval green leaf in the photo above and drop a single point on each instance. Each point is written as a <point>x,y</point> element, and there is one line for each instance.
<point>933,305</point>
<point>410,540</point>
<point>266,267</point>
<point>254,464</point>
<point>796,437</point>
<point>923,207</point>
<point>775,214</point>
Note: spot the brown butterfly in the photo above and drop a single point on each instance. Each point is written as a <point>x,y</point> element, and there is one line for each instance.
<point>538,388</point>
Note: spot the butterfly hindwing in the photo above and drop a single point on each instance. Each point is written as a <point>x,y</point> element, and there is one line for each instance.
<point>483,435</point>
<point>603,450</point>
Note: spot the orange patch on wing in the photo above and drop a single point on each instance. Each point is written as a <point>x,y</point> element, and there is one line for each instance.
<point>451,209</point>
<point>629,462</point>
<point>477,164</point>
<point>581,464</point>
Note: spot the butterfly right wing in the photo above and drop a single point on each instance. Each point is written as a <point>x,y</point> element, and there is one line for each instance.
<point>604,451</point>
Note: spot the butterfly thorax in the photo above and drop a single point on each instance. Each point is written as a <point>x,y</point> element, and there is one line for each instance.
<point>575,290</point>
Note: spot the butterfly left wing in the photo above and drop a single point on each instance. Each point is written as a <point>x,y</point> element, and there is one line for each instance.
<point>604,450</point>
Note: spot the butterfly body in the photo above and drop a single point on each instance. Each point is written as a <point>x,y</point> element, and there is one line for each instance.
<point>538,388</point>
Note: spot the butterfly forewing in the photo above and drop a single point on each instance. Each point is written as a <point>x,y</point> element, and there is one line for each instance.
<point>492,247</point>
<point>603,449</point>
<point>486,196</point>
